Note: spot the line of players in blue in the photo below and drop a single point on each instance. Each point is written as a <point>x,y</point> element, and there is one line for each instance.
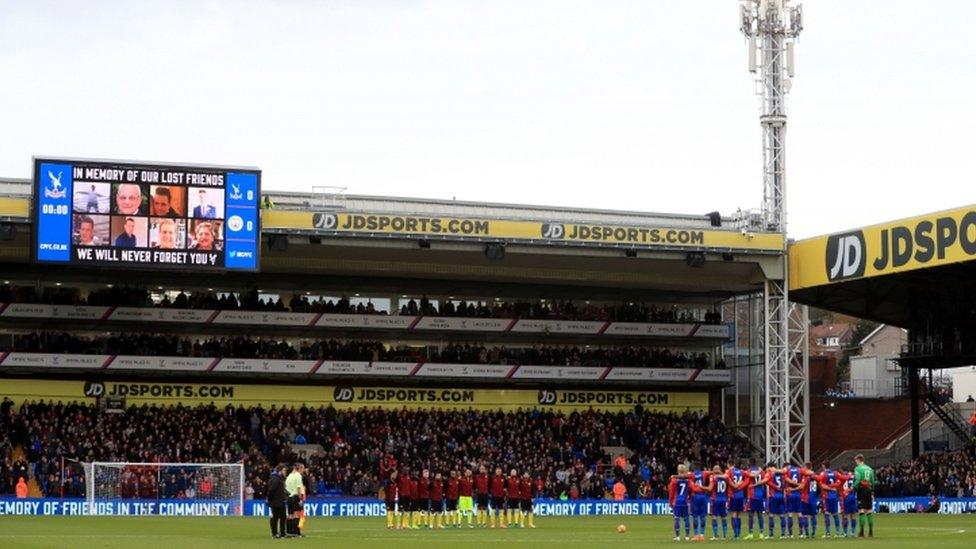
<point>794,495</point>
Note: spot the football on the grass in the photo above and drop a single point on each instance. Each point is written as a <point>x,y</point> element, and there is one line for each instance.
<point>621,528</point>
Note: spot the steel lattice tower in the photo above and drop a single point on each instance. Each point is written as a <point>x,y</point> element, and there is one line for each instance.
<point>771,27</point>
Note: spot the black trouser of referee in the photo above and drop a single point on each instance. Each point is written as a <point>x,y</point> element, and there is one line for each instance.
<point>294,505</point>
<point>278,525</point>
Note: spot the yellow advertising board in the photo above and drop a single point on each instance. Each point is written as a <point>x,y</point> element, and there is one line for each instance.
<point>349,397</point>
<point>532,231</point>
<point>499,229</point>
<point>14,207</point>
<point>920,242</point>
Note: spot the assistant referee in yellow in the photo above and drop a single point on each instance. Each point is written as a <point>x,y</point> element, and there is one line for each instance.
<point>295,487</point>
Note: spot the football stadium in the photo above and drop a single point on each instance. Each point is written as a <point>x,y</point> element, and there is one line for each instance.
<point>192,358</point>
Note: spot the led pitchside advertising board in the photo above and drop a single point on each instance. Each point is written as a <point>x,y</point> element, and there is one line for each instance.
<point>124,214</point>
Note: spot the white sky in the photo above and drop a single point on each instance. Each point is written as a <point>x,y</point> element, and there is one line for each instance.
<point>642,105</point>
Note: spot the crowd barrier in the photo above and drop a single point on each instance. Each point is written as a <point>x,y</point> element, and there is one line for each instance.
<point>358,507</point>
<point>215,366</point>
<point>691,330</point>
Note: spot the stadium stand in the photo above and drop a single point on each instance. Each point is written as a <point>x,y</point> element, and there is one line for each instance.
<point>365,444</point>
<point>361,446</point>
<point>574,454</point>
<point>945,474</point>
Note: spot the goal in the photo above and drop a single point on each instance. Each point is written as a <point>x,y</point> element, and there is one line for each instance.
<point>188,489</point>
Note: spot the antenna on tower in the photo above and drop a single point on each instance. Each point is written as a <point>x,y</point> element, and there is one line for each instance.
<point>771,27</point>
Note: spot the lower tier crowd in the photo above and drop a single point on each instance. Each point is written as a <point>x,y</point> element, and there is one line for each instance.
<point>361,447</point>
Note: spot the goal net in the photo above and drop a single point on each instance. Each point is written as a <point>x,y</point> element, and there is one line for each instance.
<point>190,489</point>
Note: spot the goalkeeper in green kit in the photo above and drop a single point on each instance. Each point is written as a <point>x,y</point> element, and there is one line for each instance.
<point>864,480</point>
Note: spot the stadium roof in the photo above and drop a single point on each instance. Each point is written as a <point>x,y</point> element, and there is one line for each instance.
<point>333,199</point>
<point>409,244</point>
<point>903,272</point>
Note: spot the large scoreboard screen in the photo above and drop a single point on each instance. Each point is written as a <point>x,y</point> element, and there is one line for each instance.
<point>104,213</point>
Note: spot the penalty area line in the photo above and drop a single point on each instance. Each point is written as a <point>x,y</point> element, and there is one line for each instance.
<point>938,530</point>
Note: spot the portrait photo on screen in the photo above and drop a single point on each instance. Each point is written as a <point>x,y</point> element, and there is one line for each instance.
<point>90,230</point>
<point>206,202</point>
<point>167,233</point>
<point>92,198</point>
<point>206,235</point>
<point>167,201</point>
<point>130,232</point>
<point>129,199</point>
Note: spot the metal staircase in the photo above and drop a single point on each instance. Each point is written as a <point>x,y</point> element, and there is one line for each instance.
<point>949,415</point>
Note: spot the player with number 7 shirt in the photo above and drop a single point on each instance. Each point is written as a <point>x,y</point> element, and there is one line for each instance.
<point>679,497</point>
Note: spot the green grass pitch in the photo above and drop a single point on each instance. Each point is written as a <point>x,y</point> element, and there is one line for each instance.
<point>892,531</point>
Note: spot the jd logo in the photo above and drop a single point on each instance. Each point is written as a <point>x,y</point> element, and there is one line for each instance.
<point>547,397</point>
<point>342,394</point>
<point>94,389</point>
<point>845,256</point>
<point>324,221</point>
<point>553,230</point>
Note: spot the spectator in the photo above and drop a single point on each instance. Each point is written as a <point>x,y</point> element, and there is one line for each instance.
<point>619,490</point>
<point>621,465</point>
<point>840,393</point>
<point>206,487</point>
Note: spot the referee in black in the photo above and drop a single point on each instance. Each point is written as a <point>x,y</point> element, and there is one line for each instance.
<point>277,498</point>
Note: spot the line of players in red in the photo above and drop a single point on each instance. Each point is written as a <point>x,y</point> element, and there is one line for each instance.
<point>796,495</point>
<point>426,502</point>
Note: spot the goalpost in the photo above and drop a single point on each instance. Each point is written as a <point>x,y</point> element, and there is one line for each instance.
<point>188,489</point>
